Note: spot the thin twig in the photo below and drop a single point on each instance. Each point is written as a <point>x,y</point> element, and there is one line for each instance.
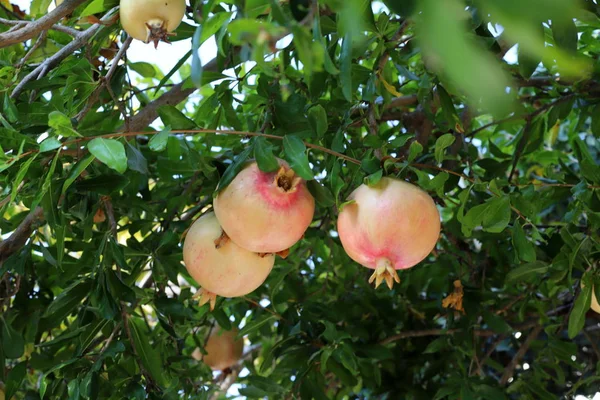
<point>510,368</point>
<point>41,70</point>
<point>18,24</point>
<point>33,48</point>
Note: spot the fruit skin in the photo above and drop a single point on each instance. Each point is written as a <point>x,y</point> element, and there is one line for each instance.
<point>223,350</point>
<point>261,216</point>
<point>595,305</point>
<point>151,20</point>
<point>393,225</point>
<point>229,270</point>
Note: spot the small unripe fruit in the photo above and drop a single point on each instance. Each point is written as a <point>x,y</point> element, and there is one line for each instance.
<point>151,20</point>
<point>392,225</point>
<point>223,350</point>
<point>265,212</point>
<point>220,266</point>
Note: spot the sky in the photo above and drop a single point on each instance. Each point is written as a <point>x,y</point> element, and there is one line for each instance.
<point>167,55</point>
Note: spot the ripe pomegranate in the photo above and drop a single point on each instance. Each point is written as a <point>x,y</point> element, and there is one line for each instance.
<point>265,212</point>
<point>220,266</point>
<point>393,225</point>
<point>151,20</point>
<point>223,350</point>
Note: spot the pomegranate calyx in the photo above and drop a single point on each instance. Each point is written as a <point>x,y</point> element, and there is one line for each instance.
<point>283,254</point>
<point>221,240</point>
<point>157,32</point>
<point>384,272</point>
<point>286,180</point>
<point>206,297</point>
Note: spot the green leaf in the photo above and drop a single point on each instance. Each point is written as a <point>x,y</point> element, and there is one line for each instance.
<point>12,341</point>
<point>497,215</point>
<point>495,322</point>
<point>233,169</point>
<point>143,68</point>
<point>414,150</point>
<point>322,195</point>
<point>95,7</point>
<point>346,67</point>
<point>9,108</point>
<point>525,249</point>
<point>317,117</point>
<point>172,117</point>
<point>263,154</point>
<point>580,308</point>
<point>49,144</point>
<point>15,379</point>
<point>148,352</point>
<point>441,144</point>
<point>20,175</point>
<point>197,69</point>
<point>61,124</point>
<point>256,324</point>
<point>527,272</point>
<point>76,171</point>
<point>159,141</point>
<point>374,178</point>
<point>295,154</point>
<point>111,152</point>
<point>136,160</point>
<point>460,59</point>
<point>436,345</point>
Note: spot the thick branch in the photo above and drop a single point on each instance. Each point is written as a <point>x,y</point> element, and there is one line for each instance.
<point>34,28</point>
<point>20,235</point>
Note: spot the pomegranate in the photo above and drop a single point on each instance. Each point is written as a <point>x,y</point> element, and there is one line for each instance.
<point>151,20</point>
<point>220,266</point>
<point>393,225</point>
<point>594,305</point>
<point>265,212</point>
<point>223,350</point>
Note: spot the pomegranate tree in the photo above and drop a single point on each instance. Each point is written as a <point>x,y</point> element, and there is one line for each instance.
<point>151,20</point>
<point>223,349</point>
<point>218,265</point>
<point>265,212</point>
<point>392,225</point>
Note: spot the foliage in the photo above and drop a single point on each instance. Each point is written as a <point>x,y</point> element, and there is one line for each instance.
<point>95,302</point>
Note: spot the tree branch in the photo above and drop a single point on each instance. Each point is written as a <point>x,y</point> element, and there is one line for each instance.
<point>63,53</point>
<point>33,28</point>
<point>57,27</point>
<point>510,368</point>
<point>174,96</point>
<point>20,235</point>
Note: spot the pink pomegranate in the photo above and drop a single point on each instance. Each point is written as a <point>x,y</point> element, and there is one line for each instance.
<point>220,266</point>
<point>393,225</point>
<point>265,212</point>
<point>223,349</point>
